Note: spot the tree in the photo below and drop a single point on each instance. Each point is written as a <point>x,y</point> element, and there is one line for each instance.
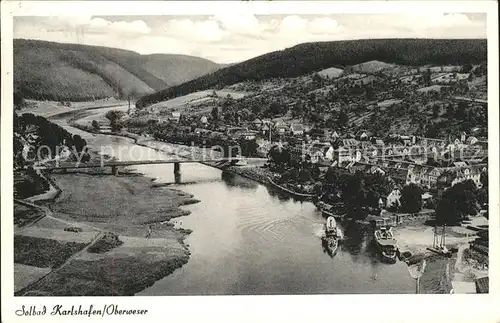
<point>298,109</point>
<point>461,110</point>
<point>411,198</point>
<point>426,77</point>
<point>482,196</point>
<point>256,108</point>
<point>446,212</point>
<point>114,117</point>
<point>279,156</point>
<point>79,143</point>
<point>248,147</point>
<point>342,119</point>
<point>228,102</point>
<point>215,114</point>
<point>317,79</point>
<point>466,68</point>
<point>484,179</point>
<point>18,100</point>
<point>458,201</point>
<point>450,111</point>
<point>18,151</point>
<point>331,180</point>
<point>369,93</point>
<point>275,109</point>
<point>436,109</point>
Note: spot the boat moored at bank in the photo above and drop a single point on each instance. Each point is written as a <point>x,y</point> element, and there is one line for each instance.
<point>386,243</point>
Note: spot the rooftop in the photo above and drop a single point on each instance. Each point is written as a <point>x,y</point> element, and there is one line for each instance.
<point>297,127</point>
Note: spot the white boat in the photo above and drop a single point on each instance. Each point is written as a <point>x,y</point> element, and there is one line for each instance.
<point>332,236</point>
<point>386,243</point>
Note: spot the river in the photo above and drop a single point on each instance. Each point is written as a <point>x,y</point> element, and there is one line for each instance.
<point>247,239</point>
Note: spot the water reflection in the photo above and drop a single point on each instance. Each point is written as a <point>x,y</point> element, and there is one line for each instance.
<point>177,178</point>
<point>327,250</point>
<point>281,196</point>
<point>355,239</point>
<point>233,180</point>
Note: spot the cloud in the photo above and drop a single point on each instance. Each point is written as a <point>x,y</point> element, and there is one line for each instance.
<point>190,30</point>
<point>302,28</point>
<point>291,24</point>
<point>324,25</point>
<point>448,20</point>
<point>420,21</point>
<point>244,24</point>
<point>87,24</point>
<point>235,37</point>
<point>137,26</point>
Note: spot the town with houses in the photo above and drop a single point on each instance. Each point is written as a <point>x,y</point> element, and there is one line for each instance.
<point>434,163</point>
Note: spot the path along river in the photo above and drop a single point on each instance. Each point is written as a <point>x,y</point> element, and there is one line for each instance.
<point>247,239</point>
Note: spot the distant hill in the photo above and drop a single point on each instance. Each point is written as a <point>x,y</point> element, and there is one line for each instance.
<point>73,72</point>
<point>311,57</point>
<point>177,68</point>
<point>372,67</point>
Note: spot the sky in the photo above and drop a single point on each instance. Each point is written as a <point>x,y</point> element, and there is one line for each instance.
<point>231,38</point>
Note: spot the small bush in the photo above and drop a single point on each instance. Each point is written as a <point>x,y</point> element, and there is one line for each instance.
<point>73,229</point>
<point>107,242</point>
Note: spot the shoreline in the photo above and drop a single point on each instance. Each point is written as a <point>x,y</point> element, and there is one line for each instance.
<point>155,257</point>
<point>136,248</point>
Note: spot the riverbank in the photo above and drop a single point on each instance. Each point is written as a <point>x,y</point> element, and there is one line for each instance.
<point>103,234</point>
<point>93,205</point>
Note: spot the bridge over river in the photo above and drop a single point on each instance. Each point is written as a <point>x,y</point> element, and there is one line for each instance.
<point>114,164</point>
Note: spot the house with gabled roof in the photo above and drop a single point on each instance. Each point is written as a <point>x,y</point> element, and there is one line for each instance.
<point>322,152</point>
<point>349,143</point>
<point>297,129</point>
<point>456,175</point>
<point>363,135</point>
<point>426,176</point>
<point>280,127</point>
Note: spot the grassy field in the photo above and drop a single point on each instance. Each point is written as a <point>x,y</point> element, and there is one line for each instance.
<point>25,215</point>
<point>125,274</point>
<point>437,276</point>
<point>125,205</point>
<point>43,253</point>
<point>25,275</point>
<point>117,200</point>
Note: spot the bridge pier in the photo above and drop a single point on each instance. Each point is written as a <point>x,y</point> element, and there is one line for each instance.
<point>114,170</point>
<point>177,168</point>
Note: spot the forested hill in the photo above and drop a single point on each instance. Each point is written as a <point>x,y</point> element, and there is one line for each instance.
<point>56,71</point>
<point>310,57</point>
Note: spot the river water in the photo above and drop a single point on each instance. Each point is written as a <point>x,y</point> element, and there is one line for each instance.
<point>247,239</point>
